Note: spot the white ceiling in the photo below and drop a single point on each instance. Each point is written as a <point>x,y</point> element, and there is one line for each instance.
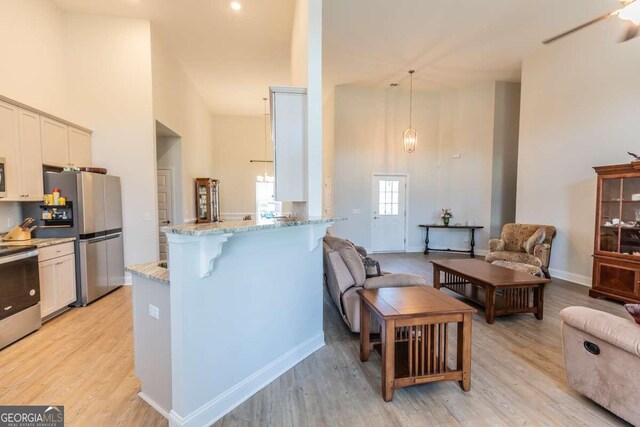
<point>231,57</point>
<point>449,43</point>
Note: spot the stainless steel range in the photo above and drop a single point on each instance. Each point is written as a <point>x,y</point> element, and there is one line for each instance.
<point>19,293</point>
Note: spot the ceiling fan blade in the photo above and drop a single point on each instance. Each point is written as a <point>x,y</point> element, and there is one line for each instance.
<point>633,31</point>
<point>585,25</point>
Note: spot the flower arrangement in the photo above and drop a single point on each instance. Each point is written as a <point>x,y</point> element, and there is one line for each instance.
<point>446,215</point>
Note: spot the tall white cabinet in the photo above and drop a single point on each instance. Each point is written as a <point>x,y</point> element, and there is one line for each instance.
<point>289,135</point>
<point>20,146</point>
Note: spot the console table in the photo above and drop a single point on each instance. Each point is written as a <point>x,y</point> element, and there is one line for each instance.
<point>472,232</point>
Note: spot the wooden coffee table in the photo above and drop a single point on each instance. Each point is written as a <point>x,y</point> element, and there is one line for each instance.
<point>414,343</point>
<point>500,290</point>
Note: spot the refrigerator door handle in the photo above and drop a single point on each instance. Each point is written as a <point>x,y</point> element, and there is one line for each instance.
<point>112,236</point>
<point>94,240</point>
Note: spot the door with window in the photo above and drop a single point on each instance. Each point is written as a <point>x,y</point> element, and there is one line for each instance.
<point>389,213</point>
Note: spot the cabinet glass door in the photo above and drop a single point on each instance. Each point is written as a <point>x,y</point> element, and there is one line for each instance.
<point>610,202</point>
<point>203,210</point>
<point>630,217</point>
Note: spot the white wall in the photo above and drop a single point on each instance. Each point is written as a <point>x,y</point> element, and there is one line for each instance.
<point>579,109</point>
<point>368,139</point>
<point>464,184</point>
<point>237,140</point>
<point>109,90</point>
<point>94,71</point>
<point>178,105</point>
<point>32,50</point>
<point>306,71</point>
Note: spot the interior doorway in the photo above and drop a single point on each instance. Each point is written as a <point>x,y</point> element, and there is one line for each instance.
<point>389,195</point>
<point>169,182</point>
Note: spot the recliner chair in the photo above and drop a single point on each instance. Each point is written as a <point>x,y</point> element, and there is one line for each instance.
<point>345,273</point>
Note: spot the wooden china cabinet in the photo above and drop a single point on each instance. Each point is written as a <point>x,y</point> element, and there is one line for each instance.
<point>616,265</point>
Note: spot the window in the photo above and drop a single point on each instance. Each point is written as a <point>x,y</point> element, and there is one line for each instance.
<point>266,205</point>
<point>388,198</point>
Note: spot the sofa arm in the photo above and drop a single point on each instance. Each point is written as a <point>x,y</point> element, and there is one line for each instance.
<point>619,332</point>
<point>496,245</point>
<point>394,281</point>
<point>543,253</point>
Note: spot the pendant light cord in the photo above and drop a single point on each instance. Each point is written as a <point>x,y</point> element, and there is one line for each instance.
<point>411,96</point>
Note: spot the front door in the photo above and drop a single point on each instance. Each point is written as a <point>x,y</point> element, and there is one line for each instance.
<point>389,213</point>
<point>165,203</point>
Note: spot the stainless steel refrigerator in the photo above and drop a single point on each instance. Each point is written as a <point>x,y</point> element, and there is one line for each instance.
<point>93,215</point>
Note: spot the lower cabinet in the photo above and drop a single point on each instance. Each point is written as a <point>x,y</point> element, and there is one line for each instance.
<point>617,279</point>
<point>57,284</point>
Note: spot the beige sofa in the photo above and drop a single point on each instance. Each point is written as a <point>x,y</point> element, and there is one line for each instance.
<point>510,246</point>
<point>602,359</point>
<point>344,274</point>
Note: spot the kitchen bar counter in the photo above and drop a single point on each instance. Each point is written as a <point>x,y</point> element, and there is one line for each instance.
<point>242,226</point>
<point>150,270</point>
<point>244,305</point>
<point>39,243</point>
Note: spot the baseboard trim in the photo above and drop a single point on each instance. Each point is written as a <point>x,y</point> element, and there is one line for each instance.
<point>571,277</point>
<point>224,403</point>
<point>153,404</point>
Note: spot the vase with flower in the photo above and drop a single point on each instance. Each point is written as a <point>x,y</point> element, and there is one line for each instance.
<point>446,215</point>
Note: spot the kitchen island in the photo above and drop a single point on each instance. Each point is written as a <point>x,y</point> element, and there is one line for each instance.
<point>239,305</point>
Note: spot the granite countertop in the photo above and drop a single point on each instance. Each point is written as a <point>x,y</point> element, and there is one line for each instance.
<point>242,226</point>
<point>40,243</point>
<point>150,270</point>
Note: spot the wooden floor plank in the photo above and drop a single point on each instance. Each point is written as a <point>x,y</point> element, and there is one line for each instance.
<point>84,360</point>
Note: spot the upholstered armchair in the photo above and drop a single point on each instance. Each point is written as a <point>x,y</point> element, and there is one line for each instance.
<point>602,359</point>
<point>511,246</point>
<point>345,273</point>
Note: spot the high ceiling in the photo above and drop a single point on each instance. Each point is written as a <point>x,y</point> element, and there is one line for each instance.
<point>231,57</point>
<point>449,43</point>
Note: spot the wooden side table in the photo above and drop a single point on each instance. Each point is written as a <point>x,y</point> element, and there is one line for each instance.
<point>472,235</point>
<point>414,342</point>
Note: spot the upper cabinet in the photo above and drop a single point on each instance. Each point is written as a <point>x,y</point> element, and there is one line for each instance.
<point>29,139</point>
<point>64,145</point>
<point>289,134</point>
<point>30,156</point>
<point>20,146</point>
<point>55,143</point>
<point>79,147</point>
<point>10,149</point>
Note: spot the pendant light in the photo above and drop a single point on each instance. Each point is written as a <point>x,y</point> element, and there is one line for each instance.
<point>410,136</point>
<point>266,115</point>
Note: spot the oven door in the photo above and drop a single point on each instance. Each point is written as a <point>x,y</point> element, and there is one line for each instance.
<point>19,282</point>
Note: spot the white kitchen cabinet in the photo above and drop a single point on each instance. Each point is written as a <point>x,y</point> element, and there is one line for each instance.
<point>55,142</point>
<point>57,284</point>
<point>289,135</point>
<point>32,188</point>
<point>20,146</point>
<point>10,149</point>
<point>79,147</point>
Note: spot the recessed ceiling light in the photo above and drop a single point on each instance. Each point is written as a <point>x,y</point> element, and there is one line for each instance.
<point>235,5</point>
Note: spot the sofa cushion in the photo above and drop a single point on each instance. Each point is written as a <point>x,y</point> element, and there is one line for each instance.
<point>518,266</point>
<point>615,330</point>
<point>514,235</point>
<point>352,259</point>
<point>535,239</point>
<point>341,271</point>
<point>634,311</point>
<point>519,257</point>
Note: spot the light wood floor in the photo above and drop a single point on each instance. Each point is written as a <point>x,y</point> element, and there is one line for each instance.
<point>84,360</point>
